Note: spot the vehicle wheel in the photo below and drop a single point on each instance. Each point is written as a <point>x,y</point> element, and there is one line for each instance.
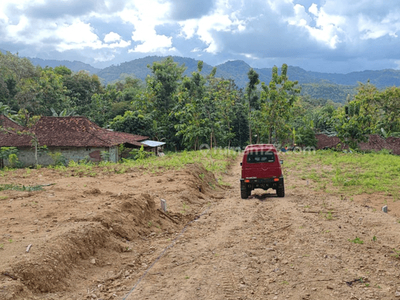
<point>244,193</point>
<point>280,191</point>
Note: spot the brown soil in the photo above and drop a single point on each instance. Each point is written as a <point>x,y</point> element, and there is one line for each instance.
<point>105,237</point>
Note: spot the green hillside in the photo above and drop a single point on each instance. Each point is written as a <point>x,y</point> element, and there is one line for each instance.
<point>318,85</point>
<point>74,66</point>
<point>138,68</point>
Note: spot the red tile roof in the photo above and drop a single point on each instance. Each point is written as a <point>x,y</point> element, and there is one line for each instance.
<point>13,134</point>
<point>71,132</point>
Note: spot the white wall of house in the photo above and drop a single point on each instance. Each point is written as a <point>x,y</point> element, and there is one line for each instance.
<point>113,154</point>
<point>27,155</point>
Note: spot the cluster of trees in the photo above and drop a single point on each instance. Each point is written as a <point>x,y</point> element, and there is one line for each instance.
<point>189,111</point>
<point>372,111</point>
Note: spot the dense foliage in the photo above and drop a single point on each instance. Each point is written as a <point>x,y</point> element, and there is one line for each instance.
<point>201,109</point>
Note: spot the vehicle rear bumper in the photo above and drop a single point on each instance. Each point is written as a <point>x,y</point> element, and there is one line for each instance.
<point>261,183</point>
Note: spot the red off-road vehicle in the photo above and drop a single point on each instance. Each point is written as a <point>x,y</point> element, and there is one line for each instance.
<point>261,168</point>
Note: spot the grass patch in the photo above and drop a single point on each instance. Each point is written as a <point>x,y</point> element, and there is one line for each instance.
<point>16,187</point>
<point>216,161</point>
<point>357,240</point>
<point>354,173</point>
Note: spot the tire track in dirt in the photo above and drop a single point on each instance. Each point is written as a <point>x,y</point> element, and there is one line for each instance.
<point>221,234</point>
<point>279,248</point>
<point>210,240</point>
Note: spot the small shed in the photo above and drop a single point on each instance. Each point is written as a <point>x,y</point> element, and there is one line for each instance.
<point>155,146</point>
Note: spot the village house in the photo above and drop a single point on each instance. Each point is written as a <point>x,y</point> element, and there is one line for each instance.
<point>76,138</point>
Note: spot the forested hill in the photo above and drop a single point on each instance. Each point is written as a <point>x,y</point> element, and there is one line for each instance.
<point>237,70</point>
<point>138,68</point>
<point>317,85</point>
<point>72,65</point>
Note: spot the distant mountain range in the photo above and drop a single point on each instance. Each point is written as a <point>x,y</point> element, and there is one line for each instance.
<point>72,65</point>
<point>321,85</point>
<point>318,85</point>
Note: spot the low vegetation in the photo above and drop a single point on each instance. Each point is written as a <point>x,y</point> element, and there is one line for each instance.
<point>353,173</point>
<point>16,187</point>
<point>216,161</point>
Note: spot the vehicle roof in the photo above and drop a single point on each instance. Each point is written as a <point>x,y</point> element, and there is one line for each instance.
<point>259,147</point>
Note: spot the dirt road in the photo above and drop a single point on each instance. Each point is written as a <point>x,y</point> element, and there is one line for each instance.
<point>109,241</point>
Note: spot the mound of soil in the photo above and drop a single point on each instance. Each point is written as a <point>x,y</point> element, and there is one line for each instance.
<point>325,142</point>
<point>80,227</point>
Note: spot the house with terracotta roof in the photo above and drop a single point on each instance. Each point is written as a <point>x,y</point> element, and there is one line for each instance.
<point>76,138</point>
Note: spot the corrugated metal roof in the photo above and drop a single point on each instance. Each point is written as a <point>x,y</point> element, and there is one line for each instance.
<point>152,143</point>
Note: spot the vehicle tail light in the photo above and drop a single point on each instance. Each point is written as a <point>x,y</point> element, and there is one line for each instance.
<point>276,179</point>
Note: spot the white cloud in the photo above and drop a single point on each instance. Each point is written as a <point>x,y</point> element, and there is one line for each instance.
<point>249,55</point>
<point>104,57</point>
<point>152,43</point>
<point>279,5</point>
<point>218,29</point>
<point>207,25</point>
<point>397,64</point>
<point>313,9</point>
<point>14,30</point>
<point>145,18</point>
<point>112,37</point>
<point>358,20</point>
<point>300,18</point>
<point>371,29</point>
<point>77,36</point>
<point>188,28</point>
<point>221,20</point>
<point>327,29</point>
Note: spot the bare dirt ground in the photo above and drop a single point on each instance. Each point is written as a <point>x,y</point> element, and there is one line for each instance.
<point>105,237</point>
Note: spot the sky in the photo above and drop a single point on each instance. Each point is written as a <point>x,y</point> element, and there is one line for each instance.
<point>333,36</point>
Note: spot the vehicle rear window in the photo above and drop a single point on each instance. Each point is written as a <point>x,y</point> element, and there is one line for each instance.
<point>260,157</point>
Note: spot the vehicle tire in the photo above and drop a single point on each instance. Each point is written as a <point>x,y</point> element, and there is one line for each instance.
<point>248,193</point>
<point>244,193</point>
<point>280,191</point>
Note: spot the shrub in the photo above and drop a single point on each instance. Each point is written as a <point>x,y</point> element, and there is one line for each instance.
<point>13,160</point>
<point>58,158</point>
<point>105,155</point>
<point>140,154</point>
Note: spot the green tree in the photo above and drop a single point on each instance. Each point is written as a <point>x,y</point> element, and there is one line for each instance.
<point>134,122</point>
<point>16,78</point>
<point>191,112</point>
<point>305,136</point>
<point>359,117</point>
<point>80,88</point>
<point>277,102</point>
<point>100,110</point>
<point>252,99</point>
<point>159,99</point>
<point>389,107</point>
<point>162,85</point>
<point>25,118</point>
<point>5,109</point>
<point>224,95</point>
<point>51,93</point>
